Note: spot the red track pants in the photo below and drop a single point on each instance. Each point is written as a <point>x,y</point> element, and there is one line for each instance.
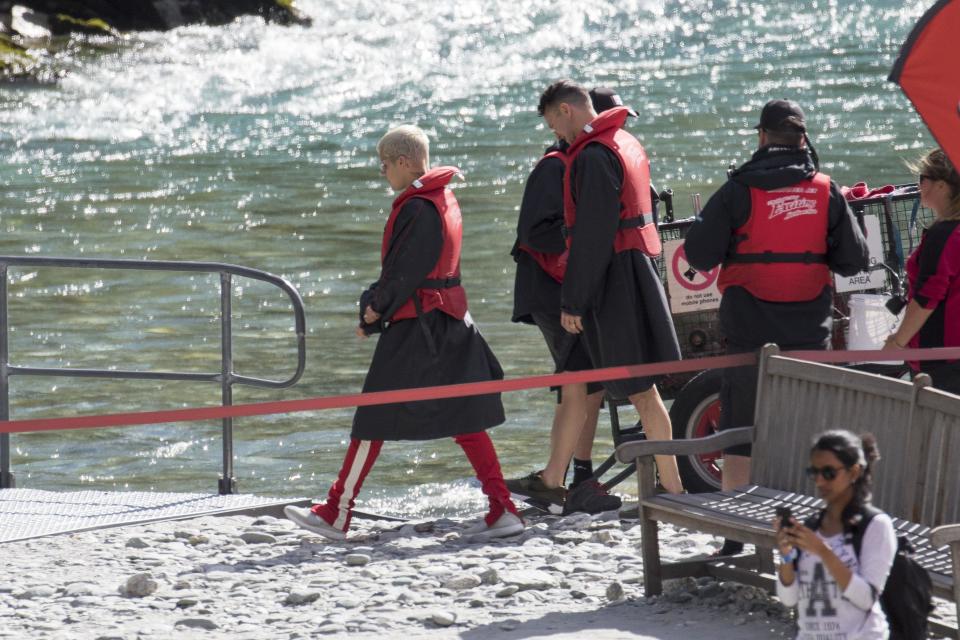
<point>361,455</point>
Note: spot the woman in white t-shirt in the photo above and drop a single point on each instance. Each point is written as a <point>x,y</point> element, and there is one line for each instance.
<point>837,593</point>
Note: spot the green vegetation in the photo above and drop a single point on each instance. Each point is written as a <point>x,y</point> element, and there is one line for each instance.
<point>14,59</point>
<point>64,24</point>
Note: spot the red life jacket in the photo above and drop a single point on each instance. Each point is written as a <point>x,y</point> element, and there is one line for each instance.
<point>782,256</point>
<point>554,264</point>
<point>441,289</point>
<point>638,229</point>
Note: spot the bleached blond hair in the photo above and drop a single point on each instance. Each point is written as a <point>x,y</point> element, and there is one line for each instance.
<point>406,140</point>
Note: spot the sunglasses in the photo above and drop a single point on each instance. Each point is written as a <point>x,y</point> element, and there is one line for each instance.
<point>828,473</point>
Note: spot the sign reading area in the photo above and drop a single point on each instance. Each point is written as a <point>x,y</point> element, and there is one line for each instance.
<point>867,279</point>
<point>688,289</point>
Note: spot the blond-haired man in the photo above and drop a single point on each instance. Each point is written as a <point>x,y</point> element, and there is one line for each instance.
<point>427,338</point>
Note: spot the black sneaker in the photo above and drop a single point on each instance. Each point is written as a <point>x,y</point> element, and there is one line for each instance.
<point>590,497</point>
<point>531,489</point>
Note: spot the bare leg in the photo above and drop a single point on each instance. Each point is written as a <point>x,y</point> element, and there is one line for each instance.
<point>584,449</point>
<point>656,424</point>
<point>567,424</point>
<point>736,471</point>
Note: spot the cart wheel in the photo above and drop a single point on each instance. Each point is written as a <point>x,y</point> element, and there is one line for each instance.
<point>696,413</point>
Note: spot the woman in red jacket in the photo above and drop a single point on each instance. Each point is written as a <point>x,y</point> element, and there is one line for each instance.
<point>932,318</point>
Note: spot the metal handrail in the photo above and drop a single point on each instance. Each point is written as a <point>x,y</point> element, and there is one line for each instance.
<point>226,376</point>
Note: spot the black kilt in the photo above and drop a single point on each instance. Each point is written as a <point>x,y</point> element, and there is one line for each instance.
<point>567,349</point>
<point>630,322</point>
<point>402,360</point>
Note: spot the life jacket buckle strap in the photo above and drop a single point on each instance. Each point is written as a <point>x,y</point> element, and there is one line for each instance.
<point>445,283</point>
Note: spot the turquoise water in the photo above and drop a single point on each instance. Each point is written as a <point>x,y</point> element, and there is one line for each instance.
<point>255,144</point>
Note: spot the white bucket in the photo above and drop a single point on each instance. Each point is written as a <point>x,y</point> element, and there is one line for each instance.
<point>870,322</point>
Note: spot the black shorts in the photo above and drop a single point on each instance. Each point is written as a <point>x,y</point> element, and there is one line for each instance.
<point>738,393</point>
<point>567,349</point>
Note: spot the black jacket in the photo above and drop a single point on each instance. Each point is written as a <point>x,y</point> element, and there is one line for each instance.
<point>540,227</point>
<point>745,319</point>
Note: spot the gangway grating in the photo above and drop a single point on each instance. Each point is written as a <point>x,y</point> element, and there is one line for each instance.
<point>34,513</point>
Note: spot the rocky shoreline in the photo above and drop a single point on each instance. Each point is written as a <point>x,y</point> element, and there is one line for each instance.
<point>27,25</point>
<point>237,576</point>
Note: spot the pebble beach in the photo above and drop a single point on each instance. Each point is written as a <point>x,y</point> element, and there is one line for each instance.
<point>245,577</point>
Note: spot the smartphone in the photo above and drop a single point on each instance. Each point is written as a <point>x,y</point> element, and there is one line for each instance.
<point>784,513</point>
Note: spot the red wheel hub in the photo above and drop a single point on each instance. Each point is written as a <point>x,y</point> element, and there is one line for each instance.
<point>707,424</point>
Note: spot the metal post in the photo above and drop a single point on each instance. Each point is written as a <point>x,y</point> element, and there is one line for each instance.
<point>7,480</point>
<point>227,484</point>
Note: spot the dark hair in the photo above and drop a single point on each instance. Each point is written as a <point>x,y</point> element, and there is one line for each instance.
<point>785,137</point>
<point>852,449</point>
<point>562,91</point>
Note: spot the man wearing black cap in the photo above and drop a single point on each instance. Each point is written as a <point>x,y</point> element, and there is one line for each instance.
<point>779,227</point>
<point>541,254</point>
<point>611,295</point>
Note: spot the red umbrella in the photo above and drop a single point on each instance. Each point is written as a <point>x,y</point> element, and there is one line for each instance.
<point>928,71</point>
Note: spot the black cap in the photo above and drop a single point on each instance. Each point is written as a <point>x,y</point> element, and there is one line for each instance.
<point>604,98</point>
<point>782,116</point>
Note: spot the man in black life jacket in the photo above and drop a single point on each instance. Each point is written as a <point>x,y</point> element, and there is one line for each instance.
<point>779,227</point>
<point>541,256</point>
<point>611,293</point>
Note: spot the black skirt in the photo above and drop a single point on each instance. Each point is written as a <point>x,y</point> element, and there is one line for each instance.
<point>403,359</point>
<point>630,322</point>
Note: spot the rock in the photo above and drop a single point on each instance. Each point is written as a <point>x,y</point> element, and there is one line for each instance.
<point>357,559</point>
<point>509,625</point>
<point>710,590</point>
<point>443,618</point>
<point>77,589</point>
<point>186,603</point>
<point>197,623</point>
<point>138,586</point>
<point>607,536</point>
<point>577,595</point>
<point>506,592</point>
<point>257,537</point>
<point>489,576</point>
<point>424,527</point>
<point>615,591</point>
<point>529,579</point>
<point>680,597</point>
<point>198,540</point>
<point>331,628</point>
<point>459,583</point>
<point>297,598</point>
<point>35,592</point>
<point>137,543</point>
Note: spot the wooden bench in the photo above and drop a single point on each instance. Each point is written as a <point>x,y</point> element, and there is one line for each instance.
<point>917,480</point>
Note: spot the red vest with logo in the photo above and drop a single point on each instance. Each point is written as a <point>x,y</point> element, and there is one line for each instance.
<point>441,289</point>
<point>554,264</point>
<point>638,229</point>
<point>782,254</point>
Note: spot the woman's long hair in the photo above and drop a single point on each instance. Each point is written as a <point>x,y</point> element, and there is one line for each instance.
<point>851,449</point>
<point>937,166</point>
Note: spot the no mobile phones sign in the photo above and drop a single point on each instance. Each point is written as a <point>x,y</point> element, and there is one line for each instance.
<point>688,288</point>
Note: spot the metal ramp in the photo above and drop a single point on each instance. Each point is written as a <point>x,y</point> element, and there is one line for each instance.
<point>32,513</point>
